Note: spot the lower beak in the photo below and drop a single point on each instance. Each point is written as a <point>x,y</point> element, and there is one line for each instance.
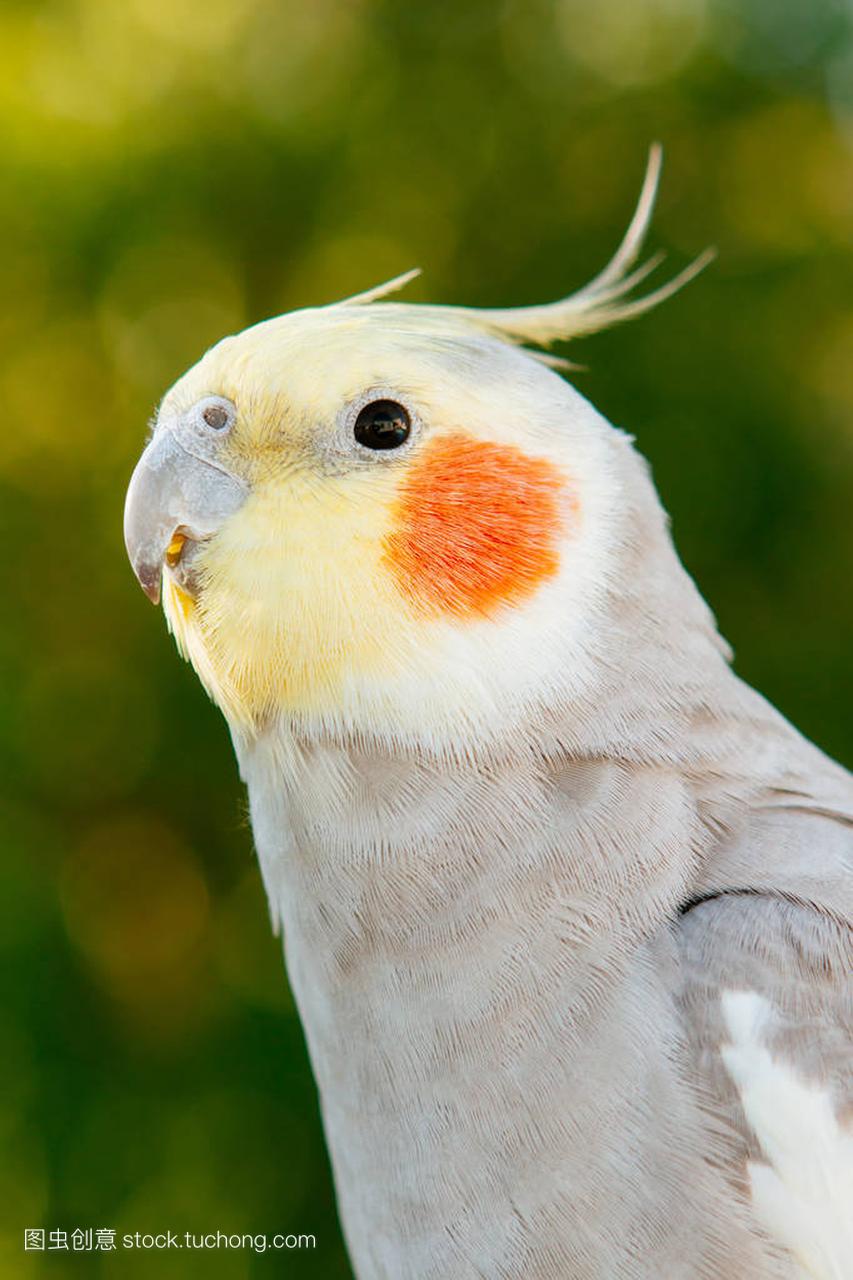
<point>174,497</point>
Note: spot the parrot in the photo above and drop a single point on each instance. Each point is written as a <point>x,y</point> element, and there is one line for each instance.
<point>565,904</point>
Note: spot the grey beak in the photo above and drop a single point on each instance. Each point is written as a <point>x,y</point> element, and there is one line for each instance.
<point>173,491</point>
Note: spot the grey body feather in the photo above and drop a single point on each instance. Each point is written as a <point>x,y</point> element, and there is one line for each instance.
<point>509,964</point>
<point>566,905</point>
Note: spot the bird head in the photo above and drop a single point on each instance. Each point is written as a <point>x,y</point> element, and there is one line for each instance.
<point>387,518</point>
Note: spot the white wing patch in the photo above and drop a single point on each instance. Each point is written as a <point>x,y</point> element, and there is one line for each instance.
<point>803,1195</point>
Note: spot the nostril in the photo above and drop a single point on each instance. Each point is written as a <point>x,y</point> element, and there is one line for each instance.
<point>216,416</point>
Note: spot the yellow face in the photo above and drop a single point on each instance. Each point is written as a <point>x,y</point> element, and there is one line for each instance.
<point>345,561</point>
<point>273,622</point>
<point>306,571</point>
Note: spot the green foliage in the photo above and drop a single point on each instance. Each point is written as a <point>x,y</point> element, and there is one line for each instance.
<point>174,169</point>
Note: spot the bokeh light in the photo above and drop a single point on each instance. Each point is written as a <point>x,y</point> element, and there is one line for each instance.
<point>176,169</point>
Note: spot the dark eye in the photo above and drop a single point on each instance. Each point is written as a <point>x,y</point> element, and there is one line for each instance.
<point>383,424</point>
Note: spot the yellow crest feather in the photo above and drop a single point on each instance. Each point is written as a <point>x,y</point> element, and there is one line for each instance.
<point>603,302</point>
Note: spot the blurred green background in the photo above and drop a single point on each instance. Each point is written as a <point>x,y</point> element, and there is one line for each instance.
<point>175,169</point>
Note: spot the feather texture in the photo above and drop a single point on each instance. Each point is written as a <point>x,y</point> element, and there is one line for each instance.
<point>600,304</point>
<point>522,825</point>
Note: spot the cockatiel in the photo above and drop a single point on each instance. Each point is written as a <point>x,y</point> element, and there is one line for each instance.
<point>565,904</point>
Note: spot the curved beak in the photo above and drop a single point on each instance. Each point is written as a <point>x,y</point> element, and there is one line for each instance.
<point>173,497</point>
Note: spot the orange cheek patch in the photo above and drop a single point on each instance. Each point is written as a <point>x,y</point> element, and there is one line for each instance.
<point>476,527</point>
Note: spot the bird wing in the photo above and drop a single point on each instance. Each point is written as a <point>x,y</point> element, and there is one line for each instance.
<point>768,1005</point>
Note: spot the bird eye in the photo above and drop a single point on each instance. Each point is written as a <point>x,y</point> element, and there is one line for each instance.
<point>383,424</point>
